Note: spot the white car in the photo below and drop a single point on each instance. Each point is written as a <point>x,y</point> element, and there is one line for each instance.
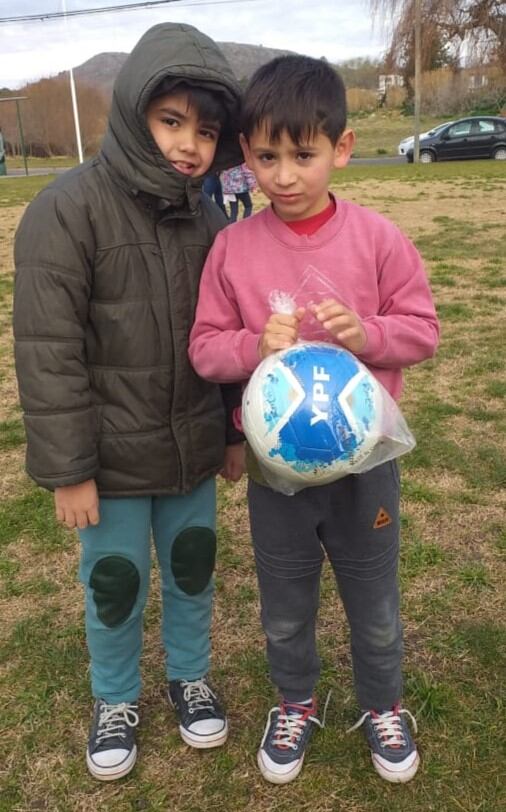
<point>408,143</point>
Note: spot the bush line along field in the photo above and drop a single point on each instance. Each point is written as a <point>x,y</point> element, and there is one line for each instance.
<point>452,571</point>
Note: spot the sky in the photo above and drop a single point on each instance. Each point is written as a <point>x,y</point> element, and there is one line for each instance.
<point>331,28</point>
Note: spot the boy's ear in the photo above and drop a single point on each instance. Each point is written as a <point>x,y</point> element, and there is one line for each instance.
<point>344,149</point>
<point>245,150</point>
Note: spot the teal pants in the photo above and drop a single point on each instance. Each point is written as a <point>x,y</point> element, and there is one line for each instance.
<point>115,571</point>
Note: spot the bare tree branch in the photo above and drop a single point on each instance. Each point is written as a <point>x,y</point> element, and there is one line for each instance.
<point>479,25</point>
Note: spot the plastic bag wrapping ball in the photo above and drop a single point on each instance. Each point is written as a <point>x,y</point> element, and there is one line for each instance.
<point>314,413</point>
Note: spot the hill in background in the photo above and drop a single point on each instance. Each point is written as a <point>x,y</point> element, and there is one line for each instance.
<point>101,70</point>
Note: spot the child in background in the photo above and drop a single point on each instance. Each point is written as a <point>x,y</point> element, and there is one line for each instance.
<point>237,183</point>
<point>294,136</point>
<point>3,162</point>
<point>119,426</point>
<point>212,188</point>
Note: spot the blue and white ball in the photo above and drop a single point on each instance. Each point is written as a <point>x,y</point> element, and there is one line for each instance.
<point>312,414</point>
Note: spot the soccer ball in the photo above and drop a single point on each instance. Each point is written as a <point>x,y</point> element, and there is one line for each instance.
<point>312,414</point>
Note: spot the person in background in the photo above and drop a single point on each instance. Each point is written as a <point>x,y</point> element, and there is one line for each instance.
<point>108,260</point>
<point>237,183</point>
<point>3,162</point>
<point>212,188</point>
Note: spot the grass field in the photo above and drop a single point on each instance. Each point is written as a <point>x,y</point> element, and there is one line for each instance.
<point>453,569</point>
<point>33,163</point>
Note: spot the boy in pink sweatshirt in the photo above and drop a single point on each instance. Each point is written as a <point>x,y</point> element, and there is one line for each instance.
<point>294,136</point>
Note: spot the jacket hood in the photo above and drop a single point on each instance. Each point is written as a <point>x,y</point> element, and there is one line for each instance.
<point>169,51</point>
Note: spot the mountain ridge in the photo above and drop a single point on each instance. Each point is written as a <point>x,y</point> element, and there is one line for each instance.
<point>100,71</point>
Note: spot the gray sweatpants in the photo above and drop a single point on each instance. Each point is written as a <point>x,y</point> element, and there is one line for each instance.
<point>355,522</point>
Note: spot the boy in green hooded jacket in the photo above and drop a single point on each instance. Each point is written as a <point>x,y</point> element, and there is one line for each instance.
<point>108,261</point>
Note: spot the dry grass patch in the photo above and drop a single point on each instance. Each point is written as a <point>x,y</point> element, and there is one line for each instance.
<point>9,406</point>
<point>40,582</point>
<point>459,528</point>
<point>9,393</point>
<point>415,215</point>
<point>12,475</point>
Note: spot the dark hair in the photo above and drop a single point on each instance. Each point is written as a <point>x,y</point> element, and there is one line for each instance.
<point>209,104</point>
<point>299,94</point>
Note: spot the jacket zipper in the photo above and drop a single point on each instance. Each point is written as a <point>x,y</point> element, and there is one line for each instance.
<point>181,471</point>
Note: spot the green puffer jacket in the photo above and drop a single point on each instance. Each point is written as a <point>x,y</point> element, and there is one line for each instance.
<point>108,261</point>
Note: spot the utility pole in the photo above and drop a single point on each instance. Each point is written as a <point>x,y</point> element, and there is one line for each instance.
<point>418,77</point>
<point>74,97</point>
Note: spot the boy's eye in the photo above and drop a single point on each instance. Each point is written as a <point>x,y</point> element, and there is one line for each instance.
<point>211,135</point>
<point>266,157</point>
<point>304,156</point>
<point>170,122</point>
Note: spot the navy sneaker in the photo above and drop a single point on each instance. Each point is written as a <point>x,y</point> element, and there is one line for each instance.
<point>289,727</point>
<point>202,721</point>
<point>393,750</point>
<point>112,751</point>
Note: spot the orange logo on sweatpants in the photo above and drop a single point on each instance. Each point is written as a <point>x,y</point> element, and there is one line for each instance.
<point>382,519</point>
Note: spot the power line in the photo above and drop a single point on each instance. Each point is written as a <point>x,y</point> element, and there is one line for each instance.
<point>57,15</point>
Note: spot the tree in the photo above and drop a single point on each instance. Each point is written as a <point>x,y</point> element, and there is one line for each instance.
<point>415,9</point>
<point>360,72</point>
<point>47,117</point>
<point>448,28</point>
<point>427,28</point>
<point>435,53</point>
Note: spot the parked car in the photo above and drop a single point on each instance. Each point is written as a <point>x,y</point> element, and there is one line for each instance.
<point>473,137</point>
<point>409,142</point>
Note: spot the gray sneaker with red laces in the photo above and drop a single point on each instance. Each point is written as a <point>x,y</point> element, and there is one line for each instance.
<point>287,733</point>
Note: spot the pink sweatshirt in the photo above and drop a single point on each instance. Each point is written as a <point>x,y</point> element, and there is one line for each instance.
<point>375,270</point>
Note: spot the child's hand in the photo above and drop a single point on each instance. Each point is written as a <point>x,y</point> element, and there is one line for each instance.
<point>280,332</point>
<point>342,323</point>
<point>77,505</point>
<point>234,463</point>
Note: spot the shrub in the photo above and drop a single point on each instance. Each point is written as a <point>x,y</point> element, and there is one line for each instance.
<point>359,99</point>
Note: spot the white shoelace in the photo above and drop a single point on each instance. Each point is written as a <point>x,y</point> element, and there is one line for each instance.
<point>290,726</point>
<point>198,695</point>
<point>387,725</point>
<point>114,719</point>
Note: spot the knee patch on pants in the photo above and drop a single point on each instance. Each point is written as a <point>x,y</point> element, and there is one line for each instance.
<point>115,583</point>
<point>192,559</point>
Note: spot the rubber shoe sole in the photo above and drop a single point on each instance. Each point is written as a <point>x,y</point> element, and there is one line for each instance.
<point>112,773</point>
<point>396,777</point>
<point>279,778</point>
<point>204,742</point>
<point>201,742</point>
